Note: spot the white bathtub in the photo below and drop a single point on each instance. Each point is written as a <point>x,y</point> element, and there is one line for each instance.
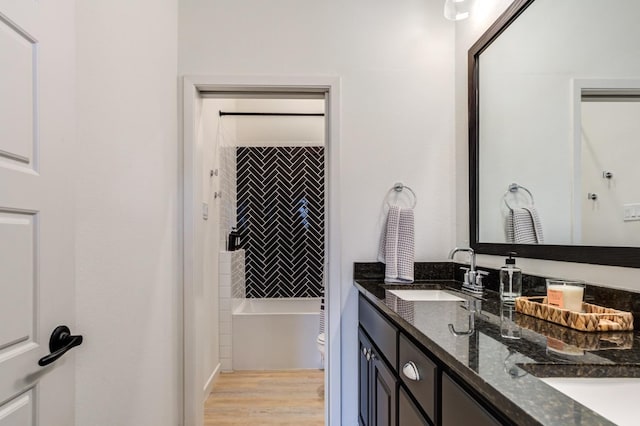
<point>275,334</point>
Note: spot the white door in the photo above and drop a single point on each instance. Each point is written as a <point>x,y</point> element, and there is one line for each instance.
<point>37,131</point>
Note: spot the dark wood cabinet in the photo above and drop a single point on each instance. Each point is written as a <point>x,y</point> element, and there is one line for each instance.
<point>423,394</point>
<point>460,408</point>
<point>408,413</point>
<point>363,378</point>
<point>420,376</point>
<point>383,393</point>
<point>376,388</point>
<point>383,334</point>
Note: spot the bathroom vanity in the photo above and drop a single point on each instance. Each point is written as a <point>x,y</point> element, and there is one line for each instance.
<point>539,81</point>
<point>400,382</point>
<point>473,361</point>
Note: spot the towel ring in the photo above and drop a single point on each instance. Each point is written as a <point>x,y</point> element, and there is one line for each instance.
<point>399,187</point>
<point>513,188</point>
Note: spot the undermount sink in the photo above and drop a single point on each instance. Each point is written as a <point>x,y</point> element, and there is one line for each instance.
<point>426,296</point>
<point>612,398</point>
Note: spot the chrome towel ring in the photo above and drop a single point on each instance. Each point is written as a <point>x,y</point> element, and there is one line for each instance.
<point>399,187</point>
<point>513,188</point>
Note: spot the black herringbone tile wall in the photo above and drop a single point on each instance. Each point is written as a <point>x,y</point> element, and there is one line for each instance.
<point>281,219</point>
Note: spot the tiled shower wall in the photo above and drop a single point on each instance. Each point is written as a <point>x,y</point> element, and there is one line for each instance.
<point>280,215</point>
<point>232,291</point>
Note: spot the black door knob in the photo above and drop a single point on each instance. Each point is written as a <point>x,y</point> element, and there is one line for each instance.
<point>60,342</point>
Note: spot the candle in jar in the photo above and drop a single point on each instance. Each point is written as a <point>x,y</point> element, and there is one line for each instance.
<point>565,296</point>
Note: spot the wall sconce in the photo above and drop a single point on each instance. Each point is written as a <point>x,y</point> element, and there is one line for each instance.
<point>456,10</point>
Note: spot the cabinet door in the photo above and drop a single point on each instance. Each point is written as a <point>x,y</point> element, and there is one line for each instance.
<point>364,346</point>
<point>383,393</point>
<point>383,333</point>
<point>460,408</point>
<point>408,413</point>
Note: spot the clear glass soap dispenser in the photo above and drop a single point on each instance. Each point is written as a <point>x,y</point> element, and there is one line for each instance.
<point>510,280</point>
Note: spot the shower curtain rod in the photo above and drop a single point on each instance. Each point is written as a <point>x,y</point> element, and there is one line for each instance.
<point>292,114</point>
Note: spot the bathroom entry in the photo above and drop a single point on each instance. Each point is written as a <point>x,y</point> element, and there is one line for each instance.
<point>610,196</point>
<point>265,199</point>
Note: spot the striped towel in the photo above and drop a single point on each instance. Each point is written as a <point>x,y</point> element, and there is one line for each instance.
<point>397,249</point>
<point>523,226</point>
<point>322,315</point>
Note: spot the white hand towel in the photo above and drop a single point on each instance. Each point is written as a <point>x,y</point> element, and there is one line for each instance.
<point>383,235</point>
<point>397,246</point>
<point>537,224</point>
<point>523,226</point>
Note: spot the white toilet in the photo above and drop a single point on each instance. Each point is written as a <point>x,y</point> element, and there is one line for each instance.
<point>320,343</point>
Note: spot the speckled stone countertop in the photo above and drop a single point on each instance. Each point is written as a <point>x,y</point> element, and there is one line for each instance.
<point>508,353</point>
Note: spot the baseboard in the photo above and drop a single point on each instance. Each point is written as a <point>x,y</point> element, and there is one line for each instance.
<point>210,381</point>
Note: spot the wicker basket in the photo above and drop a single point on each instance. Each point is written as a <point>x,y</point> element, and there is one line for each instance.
<point>594,341</point>
<point>594,317</point>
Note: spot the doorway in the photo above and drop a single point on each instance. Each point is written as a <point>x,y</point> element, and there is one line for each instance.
<point>604,191</point>
<point>196,379</point>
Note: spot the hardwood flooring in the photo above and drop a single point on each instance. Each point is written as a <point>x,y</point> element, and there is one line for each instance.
<point>290,397</point>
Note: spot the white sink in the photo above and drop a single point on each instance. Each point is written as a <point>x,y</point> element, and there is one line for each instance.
<point>426,296</point>
<point>613,398</point>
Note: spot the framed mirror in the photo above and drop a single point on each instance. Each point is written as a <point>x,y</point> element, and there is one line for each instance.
<point>554,132</point>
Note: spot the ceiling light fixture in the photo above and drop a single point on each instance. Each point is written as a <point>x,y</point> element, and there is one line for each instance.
<point>456,10</point>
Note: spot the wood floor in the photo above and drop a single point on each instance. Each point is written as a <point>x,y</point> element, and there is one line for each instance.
<point>291,397</point>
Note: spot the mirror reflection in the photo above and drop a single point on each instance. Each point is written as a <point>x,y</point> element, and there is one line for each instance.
<point>559,119</point>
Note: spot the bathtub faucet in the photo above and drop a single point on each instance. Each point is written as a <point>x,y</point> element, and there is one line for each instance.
<point>473,277</point>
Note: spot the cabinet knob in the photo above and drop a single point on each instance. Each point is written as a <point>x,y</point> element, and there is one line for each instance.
<point>411,371</point>
<point>367,353</point>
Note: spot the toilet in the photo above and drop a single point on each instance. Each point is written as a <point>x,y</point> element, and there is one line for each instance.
<point>320,343</point>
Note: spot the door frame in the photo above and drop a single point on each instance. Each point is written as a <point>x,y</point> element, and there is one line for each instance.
<point>578,85</point>
<point>192,88</point>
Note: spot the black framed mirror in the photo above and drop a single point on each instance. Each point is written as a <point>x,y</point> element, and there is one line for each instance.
<point>551,176</point>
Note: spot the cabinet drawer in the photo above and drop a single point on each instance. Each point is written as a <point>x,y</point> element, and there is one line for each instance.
<point>460,408</point>
<point>382,333</point>
<point>425,389</point>
<point>408,414</point>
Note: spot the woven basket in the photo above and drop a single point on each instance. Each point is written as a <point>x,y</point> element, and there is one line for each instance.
<point>594,317</point>
<point>594,341</point>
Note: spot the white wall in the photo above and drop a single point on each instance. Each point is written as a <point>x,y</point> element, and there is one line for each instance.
<point>279,131</point>
<point>484,12</point>
<point>395,61</point>
<point>127,212</point>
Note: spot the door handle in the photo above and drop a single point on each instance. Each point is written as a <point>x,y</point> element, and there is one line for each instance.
<point>60,342</point>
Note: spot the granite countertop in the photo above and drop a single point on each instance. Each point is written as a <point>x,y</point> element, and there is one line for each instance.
<point>506,356</point>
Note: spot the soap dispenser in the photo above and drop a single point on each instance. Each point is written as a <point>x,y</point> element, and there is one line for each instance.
<point>234,240</point>
<point>510,280</point>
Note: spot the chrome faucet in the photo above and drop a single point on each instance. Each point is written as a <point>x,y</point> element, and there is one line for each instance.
<point>473,277</point>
